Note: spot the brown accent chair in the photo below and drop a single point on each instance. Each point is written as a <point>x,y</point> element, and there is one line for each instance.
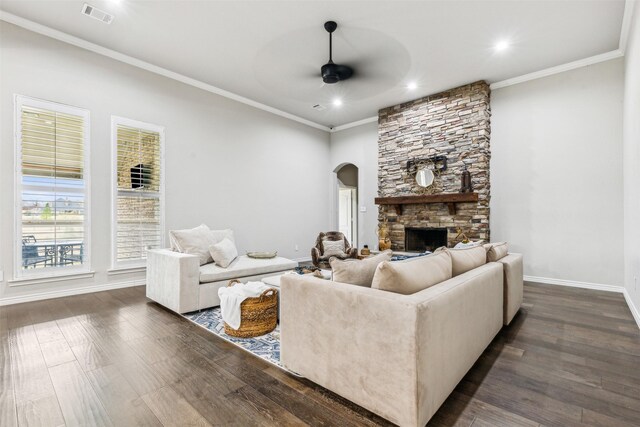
<point>317,255</point>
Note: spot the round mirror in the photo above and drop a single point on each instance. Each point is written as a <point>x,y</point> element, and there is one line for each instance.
<point>424,177</point>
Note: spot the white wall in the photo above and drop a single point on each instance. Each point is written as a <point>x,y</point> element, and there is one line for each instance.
<point>227,164</point>
<point>359,146</point>
<point>556,173</point>
<point>631,136</point>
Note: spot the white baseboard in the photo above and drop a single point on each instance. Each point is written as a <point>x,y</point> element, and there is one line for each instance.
<point>586,285</point>
<point>574,284</point>
<point>69,292</point>
<point>634,310</point>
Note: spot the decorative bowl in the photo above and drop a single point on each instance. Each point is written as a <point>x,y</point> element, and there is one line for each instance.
<point>262,255</point>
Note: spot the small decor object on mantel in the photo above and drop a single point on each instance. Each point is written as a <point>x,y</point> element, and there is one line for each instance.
<point>384,242</point>
<point>465,181</point>
<point>425,173</point>
<point>262,255</point>
<point>424,177</point>
<point>365,251</point>
<point>461,237</point>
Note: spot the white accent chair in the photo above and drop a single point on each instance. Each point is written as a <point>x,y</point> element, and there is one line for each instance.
<point>178,281</point>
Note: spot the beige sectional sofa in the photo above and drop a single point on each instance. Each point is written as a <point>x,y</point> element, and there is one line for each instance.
<point>178,281</point>
<point>397,355</point>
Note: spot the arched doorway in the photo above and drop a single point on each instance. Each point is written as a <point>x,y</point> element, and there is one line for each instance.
<point>347,178</point>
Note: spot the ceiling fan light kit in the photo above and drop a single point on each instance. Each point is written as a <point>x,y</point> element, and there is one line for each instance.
<point>334,73</point>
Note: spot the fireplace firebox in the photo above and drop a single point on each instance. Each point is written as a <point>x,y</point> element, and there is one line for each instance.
<point>424,239</point>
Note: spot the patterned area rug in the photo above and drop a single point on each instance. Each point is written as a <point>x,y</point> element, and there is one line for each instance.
<point>266,346</point>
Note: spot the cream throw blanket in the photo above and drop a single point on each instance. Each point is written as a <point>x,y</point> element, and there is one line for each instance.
<point>231,298</point>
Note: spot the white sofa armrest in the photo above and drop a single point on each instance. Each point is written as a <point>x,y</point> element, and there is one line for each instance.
<point>513,285</point>
<point>457,319</point>
<point>173,279</point>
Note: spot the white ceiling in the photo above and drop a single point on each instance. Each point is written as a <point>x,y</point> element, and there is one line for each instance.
<point>271,51</point>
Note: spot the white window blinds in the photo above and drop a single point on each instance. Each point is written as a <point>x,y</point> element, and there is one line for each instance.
<point>138,185</point>
<point>52,180</point>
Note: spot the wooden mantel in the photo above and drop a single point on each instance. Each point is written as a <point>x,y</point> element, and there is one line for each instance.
<point>449,198</point>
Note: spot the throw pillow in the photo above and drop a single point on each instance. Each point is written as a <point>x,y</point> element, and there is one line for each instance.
<point>224,252</point>
<point>496,251</point>
<point>332,248</point>
<point>414,274</point>
<point>195,241</point>
<point>357,272</point>
<point>461,245</point>
<point>466,259</point>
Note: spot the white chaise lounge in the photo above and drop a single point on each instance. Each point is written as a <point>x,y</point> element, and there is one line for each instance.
<point>178,281</point>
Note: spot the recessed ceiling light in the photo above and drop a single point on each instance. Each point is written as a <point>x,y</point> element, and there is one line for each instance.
<point>501,45</point>
<point>412,85</point>
<point>337,102</point>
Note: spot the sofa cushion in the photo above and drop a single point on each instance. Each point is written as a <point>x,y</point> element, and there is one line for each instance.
<point>466,259</point>
<point>496,251</point>
<point>414,274</point>
<point>223,252</point>
<point>357,272</point>
<point>243,266</point>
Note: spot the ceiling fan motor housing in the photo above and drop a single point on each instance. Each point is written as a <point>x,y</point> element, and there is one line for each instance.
<point>333,73</point>
<point>330,73</point>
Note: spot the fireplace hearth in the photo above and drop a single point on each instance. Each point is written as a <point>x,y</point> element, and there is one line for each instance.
<point>424,239</point>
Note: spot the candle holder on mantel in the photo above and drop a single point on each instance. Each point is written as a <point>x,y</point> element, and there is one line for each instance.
<point>465,181</point>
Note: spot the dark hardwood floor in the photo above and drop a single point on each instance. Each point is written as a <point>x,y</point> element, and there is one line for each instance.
<point>571,357</point>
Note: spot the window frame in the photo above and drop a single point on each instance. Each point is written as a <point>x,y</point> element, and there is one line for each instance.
<point>115,122</point>
<point>85,267</point>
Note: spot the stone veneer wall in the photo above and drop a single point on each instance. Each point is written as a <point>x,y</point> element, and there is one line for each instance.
<point>454,123</point>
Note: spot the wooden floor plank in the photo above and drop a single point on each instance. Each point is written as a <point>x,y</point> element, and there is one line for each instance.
<point>48,331</point>
<point>57,352</point>
<point>43,412</point>
<point>8,415</point>
<point>29,370</point>
<point>571,357</point>
<point>172,409</point>
<point>123,404</point>
<point>78,400</point>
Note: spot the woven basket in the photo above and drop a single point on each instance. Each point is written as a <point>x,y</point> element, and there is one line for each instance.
<point>259,315</point>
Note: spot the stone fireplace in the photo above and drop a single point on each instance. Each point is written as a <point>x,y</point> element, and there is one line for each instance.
<point>454,124</point>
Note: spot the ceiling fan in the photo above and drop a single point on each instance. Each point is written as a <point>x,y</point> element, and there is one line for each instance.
<point>334,73</point>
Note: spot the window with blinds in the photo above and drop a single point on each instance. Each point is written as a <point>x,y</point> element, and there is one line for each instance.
<point>52,184</point>
<point>138,210</point>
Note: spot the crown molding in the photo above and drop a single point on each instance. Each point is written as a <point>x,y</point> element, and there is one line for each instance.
<point>81,43</point>
<point>626,25</point>
<point>354,124</point>
<point>558,69</point>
